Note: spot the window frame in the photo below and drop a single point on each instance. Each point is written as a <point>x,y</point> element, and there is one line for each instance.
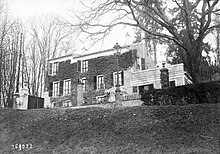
<point>56,90</point>
<point>55,68</point>
<point>175,83</point>
<point>84,66</point>
<point>115,78</point>
<point>103,82</point>
<point>135,89</point>
<point>85,85</point>
<point>67,87</point>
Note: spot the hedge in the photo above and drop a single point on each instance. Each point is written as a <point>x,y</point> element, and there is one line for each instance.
<point>183,95</point>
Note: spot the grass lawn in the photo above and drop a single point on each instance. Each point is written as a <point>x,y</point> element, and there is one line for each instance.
<point>192,129</point>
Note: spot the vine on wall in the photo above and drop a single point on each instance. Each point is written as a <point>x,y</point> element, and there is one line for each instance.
<point>104,65</point>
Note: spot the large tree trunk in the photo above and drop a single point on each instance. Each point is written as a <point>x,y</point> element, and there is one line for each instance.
<point>193,61</point>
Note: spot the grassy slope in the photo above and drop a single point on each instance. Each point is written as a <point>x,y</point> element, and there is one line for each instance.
<point>169,129</point>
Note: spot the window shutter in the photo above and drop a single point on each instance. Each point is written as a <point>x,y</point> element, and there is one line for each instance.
<point>112,79</point>
<point>142,63</point>
<point>50,89</point>
<point>50,69</point>
<point>122,78</point>
<point>79,65</point>
<point>61,87</point>
<point>95,82</point>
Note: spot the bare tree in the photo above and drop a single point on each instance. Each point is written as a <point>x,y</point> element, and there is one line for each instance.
<point>9,31</point>
<point>184,22</point>
<point>49,39</point>
<point>10,63</point>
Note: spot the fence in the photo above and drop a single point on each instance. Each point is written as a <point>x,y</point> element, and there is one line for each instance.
<point>35,102</point>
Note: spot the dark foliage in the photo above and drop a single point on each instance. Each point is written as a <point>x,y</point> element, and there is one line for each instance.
<point>183,95</point>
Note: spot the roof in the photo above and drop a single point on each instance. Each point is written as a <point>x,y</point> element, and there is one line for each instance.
<point>75,56</point>
<point>93,53</point>
<point>65,56</point>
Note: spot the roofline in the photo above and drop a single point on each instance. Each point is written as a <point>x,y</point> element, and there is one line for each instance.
<point>93,53</point>
<point>89,54</point>
<point>61,57</point>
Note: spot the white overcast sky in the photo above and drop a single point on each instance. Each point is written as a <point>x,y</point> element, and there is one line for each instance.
<point>26,9</point>
<point>29,8</point>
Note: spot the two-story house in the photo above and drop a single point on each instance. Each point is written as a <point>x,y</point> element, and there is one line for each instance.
<point>97,72</point>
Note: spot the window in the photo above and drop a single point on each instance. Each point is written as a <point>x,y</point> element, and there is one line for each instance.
<point>145,88</point>
<point>67,103</point>
<point>67,87</point>
<point>100,82</point>
<point>85,84</point>
<point>84,65</point>
<point>50,69</point>
<point>55,68</point>
<point>172,83</point>
<point>79,65</point>
<point>141,64</point>
<point>56,87</point>
<point>135,89</point>
<point>121,78</point>
<point>148,87</point>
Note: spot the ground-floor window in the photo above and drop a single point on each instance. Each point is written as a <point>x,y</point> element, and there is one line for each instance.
<point>145,88</point>
<point>67,103</point>
<point>56,87</point>
<point>67,87</point>
<point>172,83</point>
<point>100,82</point>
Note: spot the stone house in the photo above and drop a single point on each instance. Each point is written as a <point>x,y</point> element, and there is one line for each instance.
<point>97,72</point>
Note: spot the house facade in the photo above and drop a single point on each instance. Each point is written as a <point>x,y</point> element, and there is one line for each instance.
<point>98,73</point>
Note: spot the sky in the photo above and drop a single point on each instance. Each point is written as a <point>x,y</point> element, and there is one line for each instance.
<point>34,8</point>
<point>27,9</point>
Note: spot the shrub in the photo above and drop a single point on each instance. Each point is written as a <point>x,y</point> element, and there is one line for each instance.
<point>182,95</point>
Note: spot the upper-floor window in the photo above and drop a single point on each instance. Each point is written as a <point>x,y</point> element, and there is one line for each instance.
<point>56,88</point>
<point>50,71</point>
<point>67,87</point>
<point>84,65</point>
<point>55,68</point>
<point>141,64</point>
<point>85,84</point>
<point>121,78</point>
<point>100,82</point>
